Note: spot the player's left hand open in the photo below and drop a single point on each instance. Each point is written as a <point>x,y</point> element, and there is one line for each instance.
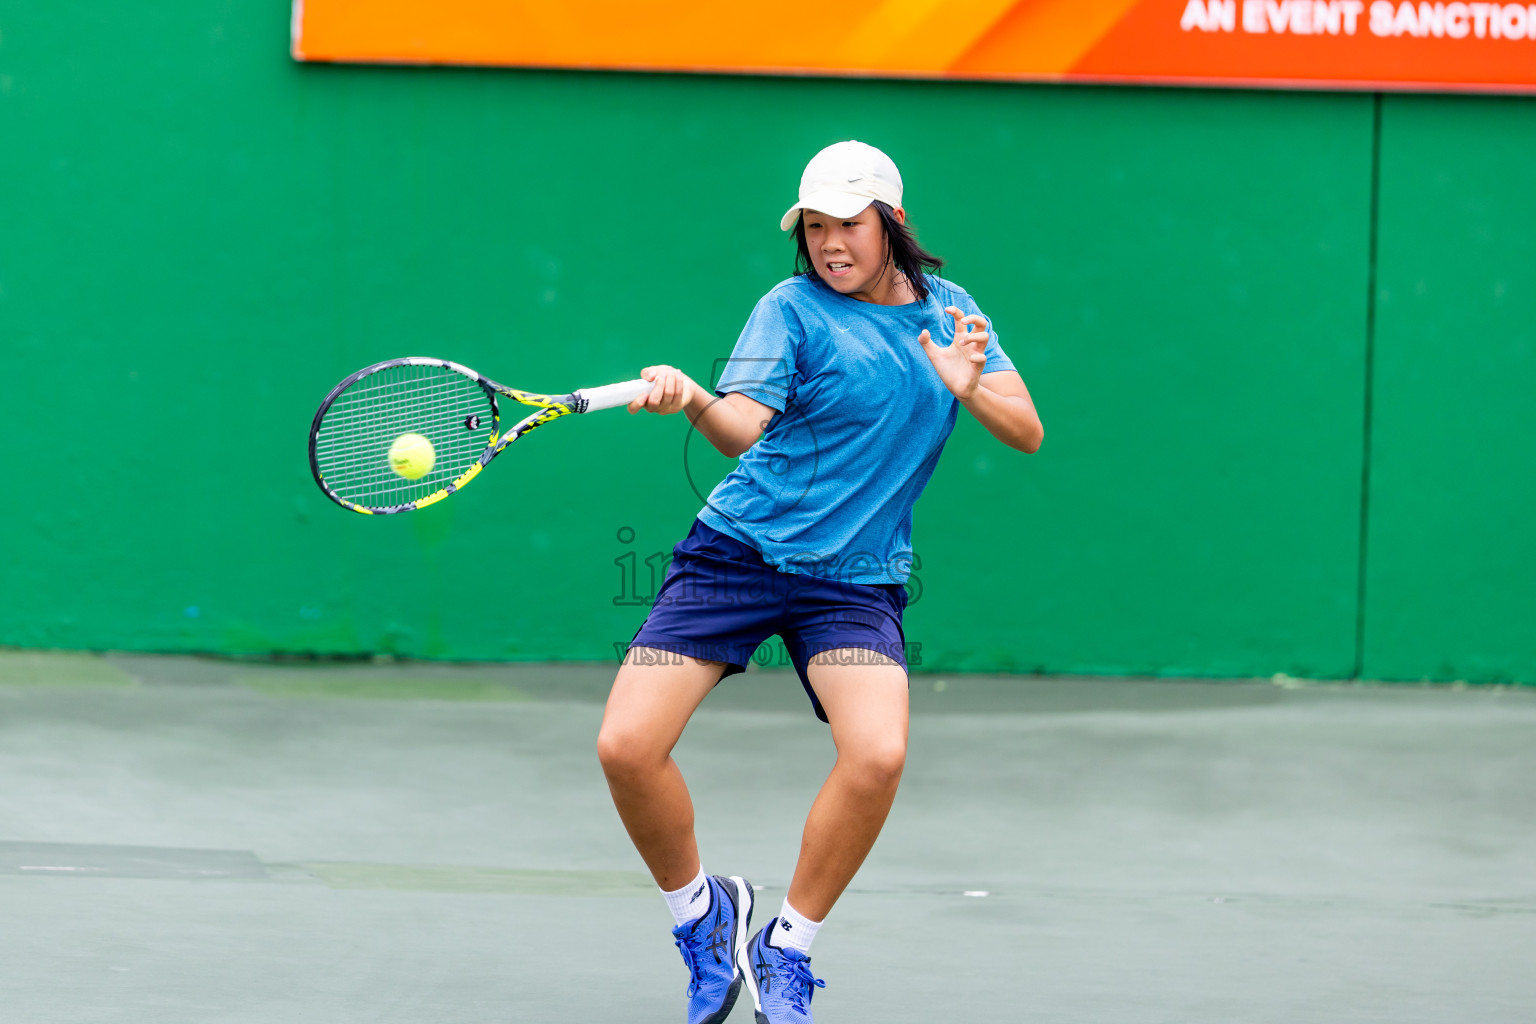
<point>960,364</point>
<point>673,390</point>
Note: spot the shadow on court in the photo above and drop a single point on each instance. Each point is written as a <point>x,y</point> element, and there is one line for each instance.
<point>189,840</point>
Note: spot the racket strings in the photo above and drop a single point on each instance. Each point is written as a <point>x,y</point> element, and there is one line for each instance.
<point>353,428</point>
<point>450,410</point>
<point>379,414</point>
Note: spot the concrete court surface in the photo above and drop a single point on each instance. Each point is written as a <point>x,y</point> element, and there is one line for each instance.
<point>191,840</point>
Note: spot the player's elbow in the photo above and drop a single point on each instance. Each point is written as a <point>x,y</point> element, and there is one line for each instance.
<point>735,447</point>
<point>1031,437</point>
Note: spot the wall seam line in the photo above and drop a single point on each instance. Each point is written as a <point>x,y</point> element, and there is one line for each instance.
<point>1370,368</point>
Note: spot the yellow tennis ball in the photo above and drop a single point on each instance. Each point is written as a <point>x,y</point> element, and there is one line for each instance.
<point>411,456</point>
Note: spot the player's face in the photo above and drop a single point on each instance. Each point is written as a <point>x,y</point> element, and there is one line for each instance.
<point>850,254</point>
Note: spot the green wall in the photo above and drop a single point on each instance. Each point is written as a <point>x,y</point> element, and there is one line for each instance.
<point>1451,563</point>
<point>198,237</point>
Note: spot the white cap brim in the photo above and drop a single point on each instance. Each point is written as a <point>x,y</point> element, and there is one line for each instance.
<point>833,204</point>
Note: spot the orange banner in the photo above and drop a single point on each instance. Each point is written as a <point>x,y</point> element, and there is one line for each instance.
<point>1367,44</point>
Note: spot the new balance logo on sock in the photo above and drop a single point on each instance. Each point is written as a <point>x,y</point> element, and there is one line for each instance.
<point>690,901</point>
<point>795,931</point>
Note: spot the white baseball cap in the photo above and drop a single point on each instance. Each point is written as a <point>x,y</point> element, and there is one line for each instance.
<point>843,179</point>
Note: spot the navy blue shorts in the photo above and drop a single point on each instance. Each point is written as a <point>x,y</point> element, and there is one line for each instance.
<point>720,601</point>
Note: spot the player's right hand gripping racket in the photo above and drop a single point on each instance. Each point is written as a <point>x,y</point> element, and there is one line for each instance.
<point>402,434</point>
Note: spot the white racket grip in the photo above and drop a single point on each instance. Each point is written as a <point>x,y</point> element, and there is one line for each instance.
<point>610,395</point>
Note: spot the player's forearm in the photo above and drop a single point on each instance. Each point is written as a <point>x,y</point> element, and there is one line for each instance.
<point>1009,418</point>
<point>729,427</point>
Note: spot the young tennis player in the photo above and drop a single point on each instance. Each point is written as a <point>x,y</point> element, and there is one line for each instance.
<point>838,398</point>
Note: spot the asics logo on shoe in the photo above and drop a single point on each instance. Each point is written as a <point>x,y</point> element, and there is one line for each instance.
<point>764,973</point>
<point>720,940</point>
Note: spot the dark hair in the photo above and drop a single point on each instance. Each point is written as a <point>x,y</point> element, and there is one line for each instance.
<point>912,260</point>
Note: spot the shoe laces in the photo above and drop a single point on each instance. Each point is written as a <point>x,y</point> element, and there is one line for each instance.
<point>799,983</point>
<point>695,976</point>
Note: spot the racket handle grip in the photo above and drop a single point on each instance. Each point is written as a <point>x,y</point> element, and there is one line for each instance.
<point>611,395</point>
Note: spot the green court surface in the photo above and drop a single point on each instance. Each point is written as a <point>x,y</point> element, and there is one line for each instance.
<point>188,840</point>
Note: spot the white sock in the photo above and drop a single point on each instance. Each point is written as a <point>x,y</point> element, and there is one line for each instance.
<point>794,930</point>
<point>689,902</point>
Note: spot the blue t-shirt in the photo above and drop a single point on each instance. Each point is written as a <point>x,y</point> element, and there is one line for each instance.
<point>828,489</point>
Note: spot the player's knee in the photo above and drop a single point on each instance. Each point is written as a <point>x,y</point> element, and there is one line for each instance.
<point>880,764</point>
<point>623,753</point>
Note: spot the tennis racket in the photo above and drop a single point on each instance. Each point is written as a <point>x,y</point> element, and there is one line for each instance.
<point>405,433</point>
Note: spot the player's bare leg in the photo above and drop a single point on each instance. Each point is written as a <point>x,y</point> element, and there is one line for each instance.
<point>866,705</point>
<point>652,699</point>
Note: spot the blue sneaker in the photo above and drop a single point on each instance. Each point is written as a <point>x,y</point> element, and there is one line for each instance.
<point>710,946</point>
<point>780,980</point>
